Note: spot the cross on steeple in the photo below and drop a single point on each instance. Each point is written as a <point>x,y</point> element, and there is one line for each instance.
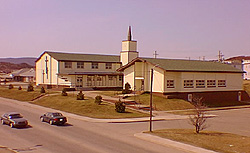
<point>46,66</point>
<point>129,34</point>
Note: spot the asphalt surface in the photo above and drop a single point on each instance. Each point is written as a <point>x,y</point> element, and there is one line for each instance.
<point>84,134</point>
<point>77,136</point>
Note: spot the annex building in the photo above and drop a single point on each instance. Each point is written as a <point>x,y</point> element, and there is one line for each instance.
<point>181,78</point>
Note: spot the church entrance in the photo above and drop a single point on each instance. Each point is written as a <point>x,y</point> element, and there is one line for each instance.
<point>139,84</point>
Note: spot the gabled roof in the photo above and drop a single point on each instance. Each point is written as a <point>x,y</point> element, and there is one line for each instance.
<point>185,65</point>
<point>238,58</point>
<point>81,57</point>
<point>24,72</point>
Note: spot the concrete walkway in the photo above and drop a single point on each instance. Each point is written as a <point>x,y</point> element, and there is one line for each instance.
<point>171,143</point>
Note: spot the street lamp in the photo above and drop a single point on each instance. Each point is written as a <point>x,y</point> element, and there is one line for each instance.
<point>151,99</point>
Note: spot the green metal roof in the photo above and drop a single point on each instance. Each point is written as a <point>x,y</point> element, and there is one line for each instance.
<point>83,57</point>
<point>192,65</point>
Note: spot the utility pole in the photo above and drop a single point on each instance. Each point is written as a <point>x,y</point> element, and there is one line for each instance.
<point>155,54</point>
<point>151,100</point>
<point>220,56</point>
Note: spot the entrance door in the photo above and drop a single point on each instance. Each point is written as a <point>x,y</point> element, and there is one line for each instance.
<point>90,80</point>
<point>79,81</point>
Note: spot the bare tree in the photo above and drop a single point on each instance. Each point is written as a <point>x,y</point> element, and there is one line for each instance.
<point>198,120</point>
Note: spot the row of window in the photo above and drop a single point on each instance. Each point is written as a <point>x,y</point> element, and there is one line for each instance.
<point>99,78</point>
<point>80,65</point>
<point>198,83</point>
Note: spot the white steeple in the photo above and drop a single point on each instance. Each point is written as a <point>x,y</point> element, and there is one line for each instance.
<point>129,49</point>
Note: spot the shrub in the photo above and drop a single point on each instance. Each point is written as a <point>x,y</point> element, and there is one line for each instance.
<point>42,90</point>
<point>80,96</point>
<point>127,89</point>
<point>30,88</point>
<point>98,100</point>
<point>11,86</point>
<point>19,88</point>
<point>120,106</point>
<point>198,120</point>
<point>64,93</point>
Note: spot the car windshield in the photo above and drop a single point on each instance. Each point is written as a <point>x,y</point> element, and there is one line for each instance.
<point>57,114</point>
<point>15,116</point>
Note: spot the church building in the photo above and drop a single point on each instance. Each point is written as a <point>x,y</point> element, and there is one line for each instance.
<point>181,78</point>
<point>79,71</point>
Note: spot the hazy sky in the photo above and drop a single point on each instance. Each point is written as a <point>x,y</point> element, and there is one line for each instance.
<point>174,28</point>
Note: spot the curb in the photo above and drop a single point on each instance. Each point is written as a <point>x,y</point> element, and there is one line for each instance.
<point>8,150</point>
<point>171,143</point>
<point>89,119</point>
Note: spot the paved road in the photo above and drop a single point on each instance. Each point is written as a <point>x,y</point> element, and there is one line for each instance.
<point>76,137</point>
<point>235,121</point>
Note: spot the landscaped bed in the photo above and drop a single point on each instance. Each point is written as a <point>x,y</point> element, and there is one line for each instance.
<point>217,141</point>
<point>86,107</point>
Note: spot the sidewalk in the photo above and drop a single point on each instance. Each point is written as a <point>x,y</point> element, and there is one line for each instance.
<point>6,150</point>
<point>171,143</point>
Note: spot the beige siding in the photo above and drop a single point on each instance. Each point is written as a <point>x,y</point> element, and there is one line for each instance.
<point>87,68</point>
<point>52,66</point>
<point>233,81</point>
<point>129,76</point>
<point>158,80</point>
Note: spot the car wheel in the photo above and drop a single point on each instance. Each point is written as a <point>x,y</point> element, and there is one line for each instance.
<point>12,125</point>
<point>42,119</point>
<point>51,122</point>
<point>2,121</point>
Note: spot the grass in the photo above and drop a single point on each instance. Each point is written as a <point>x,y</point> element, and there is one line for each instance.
<point>161,103</point>
<point>217,141</point>
<point>85,107</point>
<point>110,93</point>
<point>21,95</point>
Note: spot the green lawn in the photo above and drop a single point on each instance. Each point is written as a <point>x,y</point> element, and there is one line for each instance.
<point>110,93</point>
<point>163,104</point>
<point>217,141</point>
<point>85,107</point>
<point>21,95</point>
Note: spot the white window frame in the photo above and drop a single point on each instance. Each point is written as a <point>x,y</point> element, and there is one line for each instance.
<point>68,65</point>
<point>108,65</point>
<point>200,84</point>
<point>80,65</point>
<point>94,65</point>
<point>222,83</point>
<point>170,83</point>
<point>188,84</point>
<point>211,83</point>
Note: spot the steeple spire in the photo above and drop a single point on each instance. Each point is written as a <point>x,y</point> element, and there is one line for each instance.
<point>129,34</point>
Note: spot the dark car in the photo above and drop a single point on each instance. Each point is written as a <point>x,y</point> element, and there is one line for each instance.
<point>14,119</point>
<point>53,118</point>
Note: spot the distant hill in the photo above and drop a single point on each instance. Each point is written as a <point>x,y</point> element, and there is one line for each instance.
<point>7,67</point>
<point>28,60</point>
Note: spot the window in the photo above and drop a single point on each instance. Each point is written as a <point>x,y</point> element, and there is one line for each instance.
<point>170,83</point>
<point>80,65</point>
<point>221,83</point>
<point>120,77</point>
<point>94,65</point>
<point>68,65</point>
<point>110,77</point>
<point>200,83</point>
<point>211,83</point>
<point>188,83</point>
<point>108,65</point>
<point>98,78</point>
